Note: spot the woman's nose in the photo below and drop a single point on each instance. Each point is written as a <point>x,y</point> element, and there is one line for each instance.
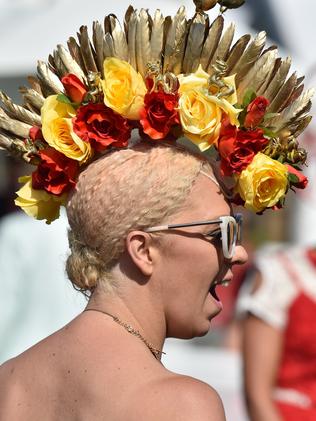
<point>240,256</point>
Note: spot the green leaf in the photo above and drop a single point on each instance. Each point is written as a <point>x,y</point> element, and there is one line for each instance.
<point>269,133</point>
<point>242,117</point>
<point>293,178</point>
<point>282,201</point>
<point>64,99</point>
<point>249,96</point>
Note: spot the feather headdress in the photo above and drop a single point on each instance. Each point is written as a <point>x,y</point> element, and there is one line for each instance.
<point>168,77</point>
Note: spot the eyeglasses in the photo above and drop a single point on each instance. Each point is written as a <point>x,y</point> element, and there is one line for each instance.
<point>229,231</point>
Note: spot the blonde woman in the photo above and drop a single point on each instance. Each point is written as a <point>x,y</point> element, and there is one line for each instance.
<point>151,231</point>
<point>146,284</point>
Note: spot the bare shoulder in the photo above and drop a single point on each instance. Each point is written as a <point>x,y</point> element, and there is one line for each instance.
<point>194,399</point>
<point>10,392</point>
<point>183,398</point>
<point>23,382</point>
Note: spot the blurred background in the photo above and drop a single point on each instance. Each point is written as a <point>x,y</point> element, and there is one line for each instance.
<point>36,298</point>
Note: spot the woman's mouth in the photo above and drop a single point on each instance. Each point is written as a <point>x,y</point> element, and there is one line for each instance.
<point>212,290</point>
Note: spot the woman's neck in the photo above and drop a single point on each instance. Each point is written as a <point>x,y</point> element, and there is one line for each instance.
<point>135,307</point>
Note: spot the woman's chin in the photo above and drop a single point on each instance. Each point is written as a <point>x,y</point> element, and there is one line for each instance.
<point>198,329</point>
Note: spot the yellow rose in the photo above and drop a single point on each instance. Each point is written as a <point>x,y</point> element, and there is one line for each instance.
<point>263,183</point>
<point>38,203</point>
<point>124,89</point>
<point>58,131</point>
<point>200,112</point>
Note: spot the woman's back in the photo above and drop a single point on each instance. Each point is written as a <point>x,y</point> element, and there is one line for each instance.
<point>67,377</point>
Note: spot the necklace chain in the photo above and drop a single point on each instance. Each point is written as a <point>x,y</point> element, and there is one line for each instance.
<point>156,352</point>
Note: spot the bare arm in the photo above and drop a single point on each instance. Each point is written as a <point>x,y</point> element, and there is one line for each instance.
<point>262,345</point>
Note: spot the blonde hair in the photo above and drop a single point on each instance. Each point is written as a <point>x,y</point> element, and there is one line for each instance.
<point>128,189</point>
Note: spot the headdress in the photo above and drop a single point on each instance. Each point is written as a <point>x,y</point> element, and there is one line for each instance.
<point>170,79</point>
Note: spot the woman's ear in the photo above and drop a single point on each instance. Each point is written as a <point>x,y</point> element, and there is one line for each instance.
<point>141,250</point>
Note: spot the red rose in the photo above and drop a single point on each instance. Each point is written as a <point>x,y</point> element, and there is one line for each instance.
<point>255,112</point>
<point>237,161</point>
<point>74,88</point>
<point>101,126</point>
<point>301,181</point>
<point>159,114</point>
<point>36,133</point>
<point>237,148</point>
<point>55,173</point>
<point>253,139</point>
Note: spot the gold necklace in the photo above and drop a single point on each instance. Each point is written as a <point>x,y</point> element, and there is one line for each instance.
<point>156,352</point>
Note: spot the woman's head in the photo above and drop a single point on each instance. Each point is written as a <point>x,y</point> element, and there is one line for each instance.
<point>124,190</point>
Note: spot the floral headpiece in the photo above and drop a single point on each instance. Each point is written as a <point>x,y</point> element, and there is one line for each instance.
<point>168,78</point>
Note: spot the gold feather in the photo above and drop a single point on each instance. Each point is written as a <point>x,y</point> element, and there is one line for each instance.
<point>58,66</point>
<point>258,73</point>
<point>142,42</point>
<point>297,91</point>
<point>19,113</point>
<point>283,94</point>
<point>51,64</point>
<point>86,50</point>
<point>119,38</point>
<point>75,52</point>
<point>211,41</point>
<point>236,52</point>
<point>277,80</point>
<point>98,43</point>
<point>249,57</point>
<point>300,79</point>
<point>32,97</point>
<point>28,106</point>
<point>175,30</point>
<point>132,23</point>
<point>35,84</point>
<point>297,109</point>
<point>127,17</point>
<point>70,64</point>
<point>302,125</point>
<point>156,39</point>
<point>224,44</point>
<point>108,46</point>
<point>5,141</point>
<point>14,126</point>
<point>274,64</point>
<point>276,67</point>
<point>194,44</point>
<point>50,83</point>
<point>15,146</point>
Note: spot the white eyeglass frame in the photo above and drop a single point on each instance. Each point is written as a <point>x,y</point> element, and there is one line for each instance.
<point>223,222</point>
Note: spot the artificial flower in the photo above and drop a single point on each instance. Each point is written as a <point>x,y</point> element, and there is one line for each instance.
<point>299,180</point>
<point>201,111</point>
<point>36,133</point>
<point>237,148</point>
<point>124,88</point>
<point>38,203</point>
<point>55,173</point>
<point>159,114</point>
<point>101,127</point>
<point>255,112</point>
<point>74,87</point>
<point>263,183</point>
<point>58,131</point>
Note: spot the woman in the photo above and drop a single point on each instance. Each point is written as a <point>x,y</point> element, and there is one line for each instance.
<point>279,304</point>
<point>151,231</point>
<point>157,283</point>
